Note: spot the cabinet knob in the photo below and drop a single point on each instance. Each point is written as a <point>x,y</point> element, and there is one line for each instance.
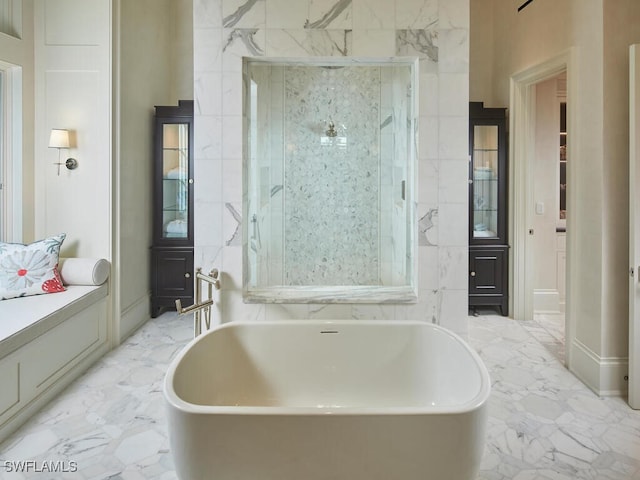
<point>191,180</point>
<point>187,275</point>
<point>473,274</point>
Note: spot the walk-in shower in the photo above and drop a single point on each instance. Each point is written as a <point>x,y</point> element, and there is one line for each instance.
<point>329,180</point>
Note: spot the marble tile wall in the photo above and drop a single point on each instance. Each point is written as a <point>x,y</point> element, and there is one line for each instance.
<point>331,183</point>
<point>437,31</point>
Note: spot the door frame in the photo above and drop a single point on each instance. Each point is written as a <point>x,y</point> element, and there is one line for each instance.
<point>634,227</point>
<point>11,144</point>
<point>521,186</point>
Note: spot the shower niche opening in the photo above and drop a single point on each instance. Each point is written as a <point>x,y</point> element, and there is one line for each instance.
<point>329,168</point>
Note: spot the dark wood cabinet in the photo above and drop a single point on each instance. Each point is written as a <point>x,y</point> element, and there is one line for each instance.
<point>172,249</point>
<point>488,246</point>
<point>487,276</point>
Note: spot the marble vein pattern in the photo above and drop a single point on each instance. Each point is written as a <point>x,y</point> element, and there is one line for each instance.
<point>544,424</point>
<point>425,225</point>
<point>246,36</point>
<point>321,43</point>
<point>423,43</point>
<point>364,28</point>
<point>341,43</point>
<point>548,329</point>
<point>236,236</point>
<point>327,18</point>
<point>235,17</point>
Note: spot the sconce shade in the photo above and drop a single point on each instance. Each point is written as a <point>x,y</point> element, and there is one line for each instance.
<point>59,138</point>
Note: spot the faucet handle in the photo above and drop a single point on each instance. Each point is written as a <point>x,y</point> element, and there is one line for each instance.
<point>215,273</point>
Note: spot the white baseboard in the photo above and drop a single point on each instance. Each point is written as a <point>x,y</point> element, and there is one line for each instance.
<point>134,316</point>
<point>546,301</point>
<point>604,375</point>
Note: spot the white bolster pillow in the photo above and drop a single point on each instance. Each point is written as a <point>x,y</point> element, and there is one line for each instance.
<point>84,271</point>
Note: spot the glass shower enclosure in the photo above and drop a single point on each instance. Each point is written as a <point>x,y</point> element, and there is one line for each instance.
<point>329,160</point>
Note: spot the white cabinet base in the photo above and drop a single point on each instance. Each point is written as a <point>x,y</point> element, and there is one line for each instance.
<point>37,371</point>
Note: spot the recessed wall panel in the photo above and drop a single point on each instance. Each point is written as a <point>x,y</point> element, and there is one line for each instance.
<point>75,22</point>
<point>77,202</point>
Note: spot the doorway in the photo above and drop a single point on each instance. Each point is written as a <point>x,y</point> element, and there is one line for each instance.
<point>539,281</point>
<point>549,184</point>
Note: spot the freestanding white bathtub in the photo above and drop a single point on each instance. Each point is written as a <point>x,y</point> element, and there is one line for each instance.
<point>327,400</point>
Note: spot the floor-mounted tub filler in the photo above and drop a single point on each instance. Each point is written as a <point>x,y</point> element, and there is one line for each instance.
<point>327,400</point>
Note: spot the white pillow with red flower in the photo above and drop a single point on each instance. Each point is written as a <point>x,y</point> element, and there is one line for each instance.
<point>30,269</point>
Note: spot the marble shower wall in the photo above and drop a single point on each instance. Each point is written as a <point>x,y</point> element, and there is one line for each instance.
<point>331,184</point>
<point>437,31</point>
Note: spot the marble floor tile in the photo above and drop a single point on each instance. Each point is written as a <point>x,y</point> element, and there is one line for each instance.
<point>544,424</point>
<point>548,329</point>
<point>550,426</point>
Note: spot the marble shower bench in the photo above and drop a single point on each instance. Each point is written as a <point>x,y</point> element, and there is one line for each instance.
<point>46,341</point>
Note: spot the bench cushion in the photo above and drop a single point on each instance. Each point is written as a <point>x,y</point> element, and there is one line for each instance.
<point>23,319</point>
<point>84,271</point>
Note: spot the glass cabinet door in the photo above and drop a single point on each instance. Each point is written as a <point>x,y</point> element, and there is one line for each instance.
<point>175,180</point>
<point>485,181</point>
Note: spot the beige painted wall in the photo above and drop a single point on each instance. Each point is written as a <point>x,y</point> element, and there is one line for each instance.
<point>481,53</point>
<point>183,47</point>
<point>601,32</point>
<point>621,22</point>
<point>155,68</point>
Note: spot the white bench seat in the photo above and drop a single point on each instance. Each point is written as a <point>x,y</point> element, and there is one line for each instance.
<point>46,341</point>
<point>23,319</point>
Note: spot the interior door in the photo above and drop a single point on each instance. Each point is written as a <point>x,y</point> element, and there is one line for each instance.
<point>634,227</point>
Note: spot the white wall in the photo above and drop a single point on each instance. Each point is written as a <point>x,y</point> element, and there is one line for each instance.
<point>381,28</point>
<point>19,52</point>
<point>73,91</point>
<point>545,194</point>
<point>101,66</point>
<point>97,67</point>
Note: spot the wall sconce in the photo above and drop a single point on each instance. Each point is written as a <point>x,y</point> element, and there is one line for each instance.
<point>60,139</point>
